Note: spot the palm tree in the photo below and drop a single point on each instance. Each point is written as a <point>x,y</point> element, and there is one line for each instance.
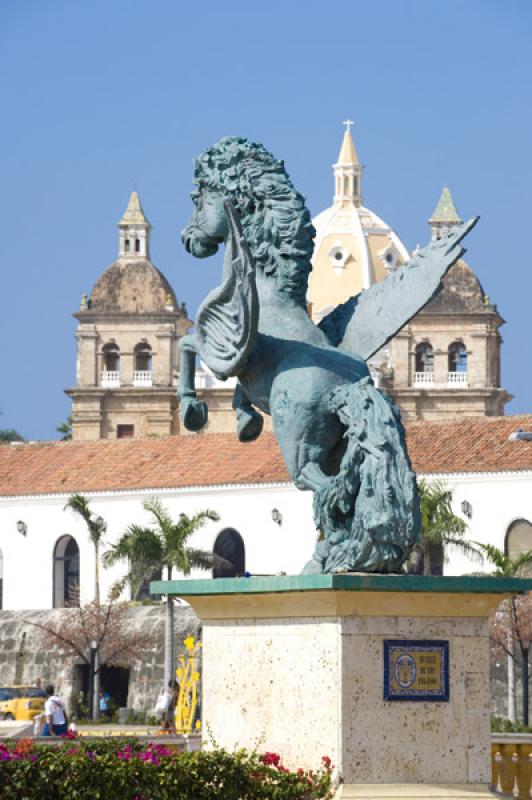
<point>440,528</point>
<point>516,624</point>
<point>164,544</point>
<point>96,527</point>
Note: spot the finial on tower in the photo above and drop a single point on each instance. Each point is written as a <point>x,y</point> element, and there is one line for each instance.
<point>445,216</point>
<point>134,230</point>
<point>348,170</point>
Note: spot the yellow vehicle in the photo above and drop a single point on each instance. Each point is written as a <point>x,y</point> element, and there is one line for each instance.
<point>21,702</point>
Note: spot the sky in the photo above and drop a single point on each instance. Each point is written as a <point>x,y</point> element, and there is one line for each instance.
<point>99,98</point>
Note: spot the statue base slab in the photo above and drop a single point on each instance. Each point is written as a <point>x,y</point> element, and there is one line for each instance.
<point>296,665</point>
<point>414,791</point>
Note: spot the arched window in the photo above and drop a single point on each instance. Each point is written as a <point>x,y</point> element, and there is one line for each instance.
<point>518,537</point>
<point>66,572</point>
<point>424,357</point>
<point>111,357</point>
<point>142,357</point>
<point>127,245</point>
<point>229,546</point>
<point>1,581</point>
<point>142,376</point>
<point>137,245</point>
<point>457,357</point>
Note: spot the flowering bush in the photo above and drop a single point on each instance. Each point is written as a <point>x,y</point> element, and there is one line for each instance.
<point>128,770</point>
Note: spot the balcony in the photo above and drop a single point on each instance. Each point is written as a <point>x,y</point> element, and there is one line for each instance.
<point>110,379</point>
<point>142,378</point>
<point>423,379</point>
<point>457,379</point>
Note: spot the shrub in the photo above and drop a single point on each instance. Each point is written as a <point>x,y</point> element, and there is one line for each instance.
<point>128,770</point>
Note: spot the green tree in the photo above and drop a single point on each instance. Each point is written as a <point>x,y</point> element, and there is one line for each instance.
<point>511,625</point>
<point>65,429</point>
<point>440,529</point>
<point>163,544</point>
<point>10,435</point>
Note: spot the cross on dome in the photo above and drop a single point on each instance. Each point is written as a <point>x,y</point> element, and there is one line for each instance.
<point>348,123</point>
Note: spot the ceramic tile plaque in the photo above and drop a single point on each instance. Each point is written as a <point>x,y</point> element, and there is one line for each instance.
<point>416,670</point>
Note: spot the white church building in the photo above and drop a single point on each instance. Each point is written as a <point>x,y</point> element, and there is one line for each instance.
<point>265,525</point>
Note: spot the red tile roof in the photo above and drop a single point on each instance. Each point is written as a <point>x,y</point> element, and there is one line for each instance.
<point>469,444</point>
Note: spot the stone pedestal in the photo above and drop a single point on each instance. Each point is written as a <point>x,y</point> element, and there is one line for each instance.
<point>295,665</point>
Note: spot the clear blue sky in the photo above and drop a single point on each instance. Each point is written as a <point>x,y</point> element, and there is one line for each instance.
<point>101,97</point>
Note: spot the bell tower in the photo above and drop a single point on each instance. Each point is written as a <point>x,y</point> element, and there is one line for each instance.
<point>446,361</point>
<point>127,343</point>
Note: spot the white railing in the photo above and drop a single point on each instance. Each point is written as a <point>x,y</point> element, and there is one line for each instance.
<point>110,378</point>
<point>457,379</point>
<point>142,378</point>
<point>423,378</point>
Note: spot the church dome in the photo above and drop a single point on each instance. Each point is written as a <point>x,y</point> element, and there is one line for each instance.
<point>353,248</point>
<point>132,286</point>
<point>462,293</point>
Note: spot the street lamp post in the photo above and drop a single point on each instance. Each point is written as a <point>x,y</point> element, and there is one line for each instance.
<point>92,666</point>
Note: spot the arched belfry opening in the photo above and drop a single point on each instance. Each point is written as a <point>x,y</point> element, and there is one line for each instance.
<point>424,364</point>
<point>229,545</point>
<point>457,363</point>
<point>66,572</point>
<point>142,354</point>
<point>110,365</point>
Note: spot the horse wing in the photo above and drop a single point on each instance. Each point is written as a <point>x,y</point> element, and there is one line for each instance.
<point>227,320</point>
<point>365,322</point>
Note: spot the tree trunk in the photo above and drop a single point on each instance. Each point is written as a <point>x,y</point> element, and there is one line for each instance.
<point>96,688</point>
<point>512,710</point>
<point>426,558</point>
<point>169,661</point>
<point>97,680</point>
<point>97,573</point>
<point>525,685</point>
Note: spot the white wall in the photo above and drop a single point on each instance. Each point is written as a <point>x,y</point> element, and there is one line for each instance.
<point>496,499</point>
<point>270,548</point>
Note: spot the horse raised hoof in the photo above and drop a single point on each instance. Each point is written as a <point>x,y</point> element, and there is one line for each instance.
<point>194,414</point>
<point>249,425</point>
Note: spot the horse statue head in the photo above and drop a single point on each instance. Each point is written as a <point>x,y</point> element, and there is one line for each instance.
<point>275,221</point>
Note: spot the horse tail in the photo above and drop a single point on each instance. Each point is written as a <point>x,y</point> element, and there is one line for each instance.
<point>370,508</point>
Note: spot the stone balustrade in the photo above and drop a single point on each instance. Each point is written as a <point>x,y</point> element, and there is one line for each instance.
<point>142,378</point>
<point>110,378</point>
<point>511,760</point>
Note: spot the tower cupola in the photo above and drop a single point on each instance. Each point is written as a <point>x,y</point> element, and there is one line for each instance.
<point>134,231</point>
<point>445,217</point>
<point>348,171</point>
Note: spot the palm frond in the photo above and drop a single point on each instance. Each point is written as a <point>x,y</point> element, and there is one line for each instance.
<point>520,562</point>
<point>467,548</point>
<point>79,505</point>
<point>496,556</point>
<point>160,514</point>
<point>201,559</point>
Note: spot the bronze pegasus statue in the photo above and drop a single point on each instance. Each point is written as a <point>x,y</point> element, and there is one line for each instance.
<point>340,436</point>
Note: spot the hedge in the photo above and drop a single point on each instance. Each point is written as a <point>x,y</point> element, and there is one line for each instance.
<point>125,770</point>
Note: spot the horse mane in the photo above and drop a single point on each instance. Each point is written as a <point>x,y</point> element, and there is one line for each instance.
<point>276,223</point>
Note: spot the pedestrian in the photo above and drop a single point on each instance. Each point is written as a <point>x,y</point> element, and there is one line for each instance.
<point>55,713</point>
<point>37,682</point>
<point>104,703</point>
